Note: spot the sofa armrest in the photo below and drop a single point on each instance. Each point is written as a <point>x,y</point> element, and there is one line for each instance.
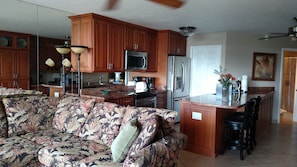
<point>160,153</point>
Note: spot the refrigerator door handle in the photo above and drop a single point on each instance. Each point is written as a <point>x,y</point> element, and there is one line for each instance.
<point>183,77</point>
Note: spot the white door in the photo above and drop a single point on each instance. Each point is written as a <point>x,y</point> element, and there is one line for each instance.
<point>205,59</point>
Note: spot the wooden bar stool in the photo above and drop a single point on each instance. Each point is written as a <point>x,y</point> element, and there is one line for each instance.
<point>237,130</point>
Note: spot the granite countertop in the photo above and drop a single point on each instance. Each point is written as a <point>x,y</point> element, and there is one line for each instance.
<point>117,94</point>
<point>211,100</point>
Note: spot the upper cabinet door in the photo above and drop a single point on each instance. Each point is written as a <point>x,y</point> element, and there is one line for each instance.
<point>82,33</point>
<point>135,38</point>
<point>177,44</point>
<point>116,47</point>
<point>152,51</point>
<point>7,64</point>
<point>100,51</point>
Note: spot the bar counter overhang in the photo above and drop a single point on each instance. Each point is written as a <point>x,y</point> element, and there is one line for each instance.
<point>202,120</point>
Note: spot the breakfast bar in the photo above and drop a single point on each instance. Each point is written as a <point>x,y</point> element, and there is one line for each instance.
<point>202,120</point>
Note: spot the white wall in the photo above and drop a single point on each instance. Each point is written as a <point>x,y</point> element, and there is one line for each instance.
<point>237,56</point>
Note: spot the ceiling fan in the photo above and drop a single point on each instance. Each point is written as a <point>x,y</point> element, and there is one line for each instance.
<point>292,32</point>
<point>111,4</point>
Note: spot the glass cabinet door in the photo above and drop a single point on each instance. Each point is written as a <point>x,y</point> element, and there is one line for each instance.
<point>22,42</point>
<point>5,41</point>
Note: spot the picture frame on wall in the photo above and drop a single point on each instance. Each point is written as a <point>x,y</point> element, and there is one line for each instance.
<point>264,66</point>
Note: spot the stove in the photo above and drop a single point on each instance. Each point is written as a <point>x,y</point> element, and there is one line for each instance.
<point>145,99</point>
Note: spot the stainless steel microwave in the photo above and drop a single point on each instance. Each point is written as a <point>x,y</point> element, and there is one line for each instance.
<point>135,60</point>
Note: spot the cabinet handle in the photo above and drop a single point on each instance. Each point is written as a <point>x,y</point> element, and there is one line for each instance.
<point>135,46</point>
<point>178,50</point>
<point>110,66</point>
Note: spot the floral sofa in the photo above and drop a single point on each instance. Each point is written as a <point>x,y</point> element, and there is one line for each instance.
<point>81,132</point>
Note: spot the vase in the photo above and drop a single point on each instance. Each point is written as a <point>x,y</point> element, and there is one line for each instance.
<point>225,93</point>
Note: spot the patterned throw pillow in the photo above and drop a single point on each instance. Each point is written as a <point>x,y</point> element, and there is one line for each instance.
<point>149,129</point>
<point>29,114</point>
<point>103,123</point>
<point>71,114</point>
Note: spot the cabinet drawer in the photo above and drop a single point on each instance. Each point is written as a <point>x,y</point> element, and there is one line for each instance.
<point>127,101</point>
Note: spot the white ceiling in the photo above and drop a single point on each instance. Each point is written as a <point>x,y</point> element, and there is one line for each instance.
<point>50,17</point>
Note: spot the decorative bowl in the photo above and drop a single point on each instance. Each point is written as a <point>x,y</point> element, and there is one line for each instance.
<point>105,91</point>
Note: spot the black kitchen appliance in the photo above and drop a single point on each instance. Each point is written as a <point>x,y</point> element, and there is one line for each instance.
<point>150,81</point>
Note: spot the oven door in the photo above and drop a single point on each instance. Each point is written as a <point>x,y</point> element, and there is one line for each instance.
<point>146,102</point>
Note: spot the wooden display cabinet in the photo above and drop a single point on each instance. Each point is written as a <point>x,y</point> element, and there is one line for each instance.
<point>14,60</point>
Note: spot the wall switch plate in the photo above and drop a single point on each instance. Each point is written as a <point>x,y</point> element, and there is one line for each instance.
<point>56,94</point>
<point>197,116</point>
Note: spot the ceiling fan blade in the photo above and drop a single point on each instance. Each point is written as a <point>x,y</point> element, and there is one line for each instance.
<point>266,37</point>
<point>278,33</point>
<point>171,3</point>
<point>111,4</point>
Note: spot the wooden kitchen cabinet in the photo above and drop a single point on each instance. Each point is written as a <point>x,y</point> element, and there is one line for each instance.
<point>104,39</point>
<point>110,46</point>
<point>14,60</point>
<point>152,51</point>
<point>135,38</point>
<point>162,99</point>
<point>177,44</point>
<point>82,33</point>
<point>124,101</point>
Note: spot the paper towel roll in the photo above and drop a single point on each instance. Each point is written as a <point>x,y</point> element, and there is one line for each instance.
<point>244,83</point>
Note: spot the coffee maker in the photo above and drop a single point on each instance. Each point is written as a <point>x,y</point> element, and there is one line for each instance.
<point>150,81</point>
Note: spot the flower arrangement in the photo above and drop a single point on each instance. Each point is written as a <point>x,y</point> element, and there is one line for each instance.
<point>226,79</point>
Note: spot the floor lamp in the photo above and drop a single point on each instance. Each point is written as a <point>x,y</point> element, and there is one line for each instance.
<point>62,49</point>
<point>77,49</point>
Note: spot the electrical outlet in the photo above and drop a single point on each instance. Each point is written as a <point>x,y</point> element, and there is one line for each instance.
<point>197,116</point>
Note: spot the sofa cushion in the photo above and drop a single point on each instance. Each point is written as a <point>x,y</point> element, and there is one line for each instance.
<point>142,113</point>
<point>71,114</point>
<point>15,151</point>
<point>49,136</point>
<point>70,153</point>
<point>3,120</point>
<point>122,143</point>
<point>29,114</point>
<point>103,123</point>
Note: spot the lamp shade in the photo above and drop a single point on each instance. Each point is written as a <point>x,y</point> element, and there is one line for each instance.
<point>78,49</point>
<point>62,49</point>
<point>50,62</point>
<point>66,62</point>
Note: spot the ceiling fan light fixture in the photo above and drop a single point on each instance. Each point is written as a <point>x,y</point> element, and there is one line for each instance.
<point>187,31</point>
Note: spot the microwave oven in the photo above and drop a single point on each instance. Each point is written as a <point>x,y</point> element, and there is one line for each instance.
<point>135,60</point>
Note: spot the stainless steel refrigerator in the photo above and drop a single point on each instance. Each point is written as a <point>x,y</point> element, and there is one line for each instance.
<point>178,81</point>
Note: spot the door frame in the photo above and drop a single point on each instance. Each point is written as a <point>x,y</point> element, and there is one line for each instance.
<point>281,83</point>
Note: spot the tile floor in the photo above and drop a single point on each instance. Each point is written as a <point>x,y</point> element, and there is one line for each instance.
<point>277,148</point>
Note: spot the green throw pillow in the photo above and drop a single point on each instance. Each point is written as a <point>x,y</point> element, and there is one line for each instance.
<point>122,143</point>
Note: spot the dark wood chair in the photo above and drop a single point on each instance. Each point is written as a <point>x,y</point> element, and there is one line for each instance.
<point>237,130</point>
<point>255,117</point>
